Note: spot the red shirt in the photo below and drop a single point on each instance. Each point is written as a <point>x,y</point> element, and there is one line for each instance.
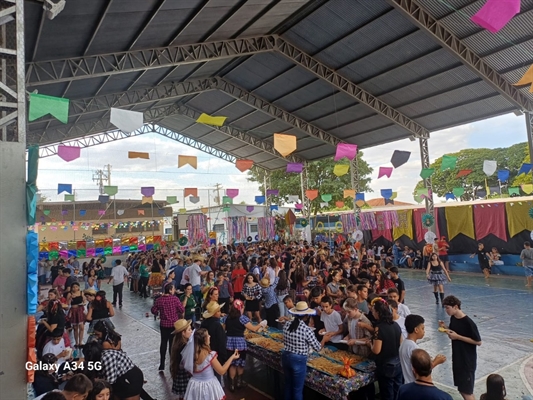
<point>442,245</point>
<point>169,309</point>
<point>237,277</point>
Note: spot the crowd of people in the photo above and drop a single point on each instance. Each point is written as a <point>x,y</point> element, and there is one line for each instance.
<point>350,297</point>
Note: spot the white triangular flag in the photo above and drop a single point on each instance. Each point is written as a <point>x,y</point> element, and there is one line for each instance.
<point>489,167</point>
<point>120,212</point>
<point>125,120</point>
<point>293,198</point>
<point>324,204</point>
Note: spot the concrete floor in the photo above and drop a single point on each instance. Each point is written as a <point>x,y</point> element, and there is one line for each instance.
<point>501,307</point>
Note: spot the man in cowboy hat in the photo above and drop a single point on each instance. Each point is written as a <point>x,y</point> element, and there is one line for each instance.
<point>271,301</point>
<point>211,322</point>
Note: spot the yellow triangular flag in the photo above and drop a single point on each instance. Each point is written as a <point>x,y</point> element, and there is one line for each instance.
<point>349,193</point>
<point>147,199</point>
<point>341,169</point>
<point>527,188</point>
<point>184,160</point>
<point>209,120</point>
<point>138,154</point>
<point>394,195</point>
<point>526,79</point>
<point>284,144</point>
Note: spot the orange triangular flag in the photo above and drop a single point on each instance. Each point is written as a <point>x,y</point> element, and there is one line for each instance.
<point>243,165</point>
<point>349,193</point>
<point>140,212</point>
<point>339,204</point>
<point>184,160</point>
<point>138,154</point>
<point>311,194</point>
<point>190,192</point>
<point>526,79</point>
<point>284,144</point>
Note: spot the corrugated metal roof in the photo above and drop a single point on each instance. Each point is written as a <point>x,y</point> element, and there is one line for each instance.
<point>368,42</point>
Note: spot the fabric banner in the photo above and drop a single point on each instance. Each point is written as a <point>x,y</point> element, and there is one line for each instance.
<point>345,150</point>
<point>295,168</point>
<point>419,228</point>
<point>40,105</point>
<point>495,14</point>
<point>311,194</point>
<point>490,218</point>
<point>184,160</point>
<point>405,227</point>
<point>284,144</point>
<point>385,233</point>
<point>460,220</point>
<point>126,120</point>
<point>341,169</point>
<point>518,217</point>
<point>211,120</point>
<point>31,184</point>
<point>243,165</point>
<point>349,193</point>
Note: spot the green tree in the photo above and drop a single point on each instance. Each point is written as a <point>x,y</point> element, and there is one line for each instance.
<point>524,178</point>
<point>443,182</point>
<point>320,176</point>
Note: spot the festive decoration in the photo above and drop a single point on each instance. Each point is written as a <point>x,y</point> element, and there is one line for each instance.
<point>197,228</point>
<point>525,168</point>
<point>111,190</point>
<point>244,165</point>
<point>284,144</point>
<point>385,171</point>
<point>341,169</point>
<point>430,237</point>
<point>126,120</point>
<point>489,167</point>
<point>349,193</point>
<point>272,192</point>
<point>190,192</point>
<point>448,162</point>
<point>449,196</point>
<point>138,154</point>
<point>345,150</point>
<point>274,207</point>
<point>386,193</point>
<point>463,172</point>
<point>326,197</point>
<point>40,105</point>
<point>495,14</point>
<point>260,199</point>
<point>458,192</point>
<point>140,212</point>
<point>294,168</point>
<point>311,194</point>
<point>209,120</point>
<point>147,200</point>
<point>148,191</point>
<point>195,199</point>
<point>184,160</point>
<point>304,222</point>
<point>227,200</point>
<point>266,227</point>
<point>399,158</point>
<point>503,175</point>
<point>182,241</point>
<point>172,199</point>
<point>70,197</point>
<point>68,153</point>
<point>64,187</point>
<point>250,208</point>
<point>428,220</point>
<point>426,172</point>
<point>459,220</point>
<point>339,204</point>
<point>232,193</point>
<point>527,188</point>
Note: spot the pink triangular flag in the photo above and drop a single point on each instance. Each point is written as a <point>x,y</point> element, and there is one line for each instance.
<point>232,193</point>
<point>346,150</point>
<point>68,153</point>
<point>250,208</point>
<point>385,171</point>
<point>299,206</point>
<point>495,14</point>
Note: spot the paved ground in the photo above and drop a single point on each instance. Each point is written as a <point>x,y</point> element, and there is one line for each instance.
<point>501,307</point>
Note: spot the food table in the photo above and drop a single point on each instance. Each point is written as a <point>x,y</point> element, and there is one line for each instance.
<point>267,348</point>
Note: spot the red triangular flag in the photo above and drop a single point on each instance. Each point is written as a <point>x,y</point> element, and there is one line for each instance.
<point>463,172</point>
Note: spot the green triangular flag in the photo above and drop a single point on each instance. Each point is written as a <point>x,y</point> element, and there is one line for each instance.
<point>226,209</point>
<point>426,172</point>
<point>182,210</point>
<point>418,198</point>
<point>111,190</point>
<point>326,197</point>
<point>46,212</point>
<point>40,105</point>
<point>227,200</point>
<point>69,197</point>
<point>514,190</point>
<point>422,192</point>
<point>458,192</point>
<point>172,199</point>
<point>448,162</point>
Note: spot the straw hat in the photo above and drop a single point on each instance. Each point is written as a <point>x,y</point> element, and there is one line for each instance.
<point>181,325</point>
<point>265,282</point>
<point>90,291</point>
<point>302,309</point>
<point>211,309</point>
<point>197,257</point>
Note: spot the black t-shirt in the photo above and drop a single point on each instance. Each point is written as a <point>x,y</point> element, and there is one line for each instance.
<point>70,280</point>
<point>57,318</point>
<point>414,391</point>
<point>399,285</point>
<point>464,355</point>
<point>389,334</point>
<point>482,257</point>
<point>316,318</point>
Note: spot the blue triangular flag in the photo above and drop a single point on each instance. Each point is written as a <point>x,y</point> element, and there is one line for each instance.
<point>161,212</point>
<point>525,168</point>
<point>386,193</point>
<point>359,196</point>
<point>503,175</point>
<point>260,199</point>
<point>103,198</point>
<point>82,212</point>
<point>450,196</point>
<point>273,207</point>
<point>64,187</point>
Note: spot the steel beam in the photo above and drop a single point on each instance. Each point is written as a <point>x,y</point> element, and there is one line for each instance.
<point>275,111</point>
<point>529,130</point>
<point>354,179</point>
<point>424,157</point>
<point>66,70</point>
<point>419,16</point>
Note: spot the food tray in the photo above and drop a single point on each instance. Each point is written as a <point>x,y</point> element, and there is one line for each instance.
<point>337,356</point>
<point>324,365</point>
<point>267,343</point>
<point>365,366</point>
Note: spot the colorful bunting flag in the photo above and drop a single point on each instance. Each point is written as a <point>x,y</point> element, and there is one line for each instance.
<point>299,206</point>
<point>184,160</point>
<point>40,105</point>
<point>138,154</point>
<point>232,193</point>
<point>448,162</point>
<point>341,169</point>
<point>260,199</point>
<point>326,197</point>
<point>272,192</point>
<point>209,120</point>
<point>339,204</point>
<point>386,193</point>
<point>273,207</point>
<point>250,208</point>
<point>311,194</point>
<point>111,190</point>
<point>226,209</point>
<point>324,204</point>
<point>103,198</point>
<point>503,175</point>
<point>345,150</point>
<point>293,198</point>
<point>426,172</point>
<point>140,212</point>
<point>450,196</point>
<point>148,191</point>
<point>527,189</point>
<point>227,200</point>
<point>64,187</point>
<point>182,210</point>
<point>147,200</point>
<point>296,168</point>
<point>83,212</point>
<point>284,144</point>
<point>194,199</point>
<point>101,212</point>
<point>422,192</point>
<point>458,191</point>
<point>514,191</point>
<point>463,172</point>
<point>495,14</point>
<point>126,120</point>
<point>385,171</point>
<point>525,168</point>
<point>172,199</point>
<point>360,196</point>
<point>489,167</point>
<point>70,197</point>
<point>349,193</point>
<point>120,212</point>
<point>190,192</point>
<point>204,210</point>
<point>68,153</point>
<point>399,158</point>
<point>244,165</point>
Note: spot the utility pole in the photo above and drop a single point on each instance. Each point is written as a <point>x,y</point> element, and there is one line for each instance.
<point>101,175</point>
<point>218,188</point>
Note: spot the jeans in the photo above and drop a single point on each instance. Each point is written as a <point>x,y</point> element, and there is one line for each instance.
<point>390,378</point>
<point>281,305</point>
<point>117,291</point>
<point>166,339</point>
<point>143,284</point>
<point>294,370</point>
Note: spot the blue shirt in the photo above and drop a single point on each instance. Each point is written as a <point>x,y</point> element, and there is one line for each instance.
<point>414,391</point>
<point>179,272</point>
<point>269,293</point>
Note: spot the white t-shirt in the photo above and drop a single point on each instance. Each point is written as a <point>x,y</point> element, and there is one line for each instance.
<point>403,310</point>
<point>119,272</point>
<point>55,349</point>
<point>185,277</point>
<point>271,274</point>
<point>194,275</point>
<point>401,322</point>
<point>406,349</point>
<point>331,324</point>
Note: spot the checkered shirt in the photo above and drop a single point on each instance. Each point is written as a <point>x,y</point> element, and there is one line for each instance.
<point>269,294</point>
<point>169,308</point>
<point>254,291</point>
<point>299,341</point>
<point>115,363</point>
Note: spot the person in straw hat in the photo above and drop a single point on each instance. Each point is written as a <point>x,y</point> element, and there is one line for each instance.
<point>268,289</point>
<point>211,322</point>
<point>180,377</point>
<point>298,338</point>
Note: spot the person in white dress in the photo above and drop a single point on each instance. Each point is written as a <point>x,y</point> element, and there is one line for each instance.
<point>202,363</point>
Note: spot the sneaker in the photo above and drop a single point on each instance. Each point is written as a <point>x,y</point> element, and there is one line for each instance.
<point>161,368</point>
<point>120,306</point>
<point>114,304</point>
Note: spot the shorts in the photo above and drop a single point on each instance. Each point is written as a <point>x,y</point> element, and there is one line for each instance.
<point>464,380</point>
<point>444,257</point>
<point>528,270</point>
<point>484,266</point>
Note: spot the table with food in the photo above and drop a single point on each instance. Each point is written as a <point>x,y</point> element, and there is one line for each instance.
<point>331,372</point>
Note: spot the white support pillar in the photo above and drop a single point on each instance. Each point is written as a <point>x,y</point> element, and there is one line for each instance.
<point>424,156</point>
<point>529,128</point>
<point>355,178</point>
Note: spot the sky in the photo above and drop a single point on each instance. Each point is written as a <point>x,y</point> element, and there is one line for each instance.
<point>161,169</point>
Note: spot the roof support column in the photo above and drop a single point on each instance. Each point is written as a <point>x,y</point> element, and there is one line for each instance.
<point>529,127</point>
<point>424,156</point>
<point>354,176</point>
<point>267,183</point>
<point>306,211</point>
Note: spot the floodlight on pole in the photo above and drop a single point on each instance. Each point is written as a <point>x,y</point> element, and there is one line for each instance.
<point>52,8</point>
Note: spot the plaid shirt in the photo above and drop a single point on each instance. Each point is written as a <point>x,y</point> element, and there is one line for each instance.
<point>299,341</point>
<point>115,363</point>
<point>254,291</point>
<point>269,294</point>
<point>169,308</point>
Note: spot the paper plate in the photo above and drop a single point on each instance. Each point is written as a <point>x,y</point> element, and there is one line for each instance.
<point>357,235</point>
<point>430,237</point>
